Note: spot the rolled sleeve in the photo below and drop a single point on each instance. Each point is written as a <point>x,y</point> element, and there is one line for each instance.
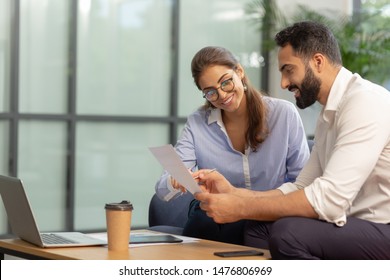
<point>330,213</point>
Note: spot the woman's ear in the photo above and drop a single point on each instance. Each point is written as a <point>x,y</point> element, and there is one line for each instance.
<point>240,71</point>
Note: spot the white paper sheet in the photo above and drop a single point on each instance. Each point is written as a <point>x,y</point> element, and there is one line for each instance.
<point>172,163</point>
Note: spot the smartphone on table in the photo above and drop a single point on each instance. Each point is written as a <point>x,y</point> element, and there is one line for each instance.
<point>239,253</point>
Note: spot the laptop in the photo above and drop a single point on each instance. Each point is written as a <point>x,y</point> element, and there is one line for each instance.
<point>23,224</point>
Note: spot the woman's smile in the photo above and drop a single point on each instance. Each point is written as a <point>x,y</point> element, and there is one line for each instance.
<point>228,100</point>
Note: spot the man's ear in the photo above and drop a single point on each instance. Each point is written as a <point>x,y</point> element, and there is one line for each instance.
<point>319,62</point>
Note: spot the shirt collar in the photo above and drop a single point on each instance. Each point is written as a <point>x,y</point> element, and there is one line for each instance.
<point>215,116</point>
<point>337,91</point>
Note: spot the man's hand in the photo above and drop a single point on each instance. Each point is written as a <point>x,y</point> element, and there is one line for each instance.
<point>217,199</point>
<point>226,204</point>
<point>222,207</point>
<point>213,182</point>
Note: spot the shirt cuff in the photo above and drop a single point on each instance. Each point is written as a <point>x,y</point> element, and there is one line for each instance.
<point>288,188</point>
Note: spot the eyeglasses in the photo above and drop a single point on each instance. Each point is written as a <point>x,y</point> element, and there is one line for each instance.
<point>212,94</point>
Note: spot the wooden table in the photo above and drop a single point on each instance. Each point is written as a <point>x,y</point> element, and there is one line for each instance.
<point>198,250</point>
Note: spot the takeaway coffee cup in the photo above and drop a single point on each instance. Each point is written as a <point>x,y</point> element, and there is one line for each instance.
<point>118,218</point>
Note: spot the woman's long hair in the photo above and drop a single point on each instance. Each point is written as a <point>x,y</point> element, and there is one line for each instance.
<point>257,130</point>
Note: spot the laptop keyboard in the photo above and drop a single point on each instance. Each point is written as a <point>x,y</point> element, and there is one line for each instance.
<point>50,238</point>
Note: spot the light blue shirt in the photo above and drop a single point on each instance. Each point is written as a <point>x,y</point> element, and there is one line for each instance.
<point>204,143</point>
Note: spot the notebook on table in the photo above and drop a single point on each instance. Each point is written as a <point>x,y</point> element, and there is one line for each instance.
<point>24,226</point>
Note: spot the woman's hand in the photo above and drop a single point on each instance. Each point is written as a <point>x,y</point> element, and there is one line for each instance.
<point>176,185</point>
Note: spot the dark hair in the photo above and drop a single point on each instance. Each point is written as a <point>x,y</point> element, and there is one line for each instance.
<point>257,130</point>
<point>309,37</point>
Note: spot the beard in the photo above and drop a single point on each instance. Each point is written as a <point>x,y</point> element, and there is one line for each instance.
<point>309,90</point>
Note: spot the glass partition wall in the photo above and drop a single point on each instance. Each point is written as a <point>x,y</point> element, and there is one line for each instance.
<point>5,82</point>
<point>86,86</point>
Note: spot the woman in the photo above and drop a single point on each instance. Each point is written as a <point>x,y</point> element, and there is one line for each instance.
<point>256,142</point>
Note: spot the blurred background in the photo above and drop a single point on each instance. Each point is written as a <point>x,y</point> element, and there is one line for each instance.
<point>86,86</point>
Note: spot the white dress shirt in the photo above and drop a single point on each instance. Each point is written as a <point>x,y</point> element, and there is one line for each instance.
<point>348,173</point>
